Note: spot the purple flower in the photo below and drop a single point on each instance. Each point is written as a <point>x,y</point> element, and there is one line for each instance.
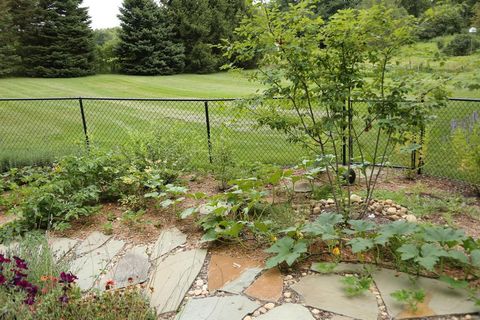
<point>18,277</point>
<point>29,300</point>
<point>3,259</point>
<point>67,278</point>
<point>21,264</point>
<point>63,299</point>
<point>2,279</point>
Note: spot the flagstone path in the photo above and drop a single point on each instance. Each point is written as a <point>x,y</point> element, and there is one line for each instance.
<point>185,282</point>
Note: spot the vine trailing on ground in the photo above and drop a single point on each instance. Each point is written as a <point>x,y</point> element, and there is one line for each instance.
<point>315,84</point>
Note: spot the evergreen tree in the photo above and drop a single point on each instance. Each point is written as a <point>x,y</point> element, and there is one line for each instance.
<point>146,40</point>
<point>202,24</point>
<point>8,58</point>
<point>57,41</point>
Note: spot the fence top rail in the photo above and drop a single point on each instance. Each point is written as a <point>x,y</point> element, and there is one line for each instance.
<point>174,99</point>
<point>124,99</point>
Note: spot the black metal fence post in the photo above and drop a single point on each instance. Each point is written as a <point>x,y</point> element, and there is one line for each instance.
<point>350,125</point>
<point>344,134</point>
<point>84,122</point>
<point>207,120</point>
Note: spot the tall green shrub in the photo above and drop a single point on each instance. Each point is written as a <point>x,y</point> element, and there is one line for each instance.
<point>442,19</point>
<point>466,149</point>
<point>8,57</point>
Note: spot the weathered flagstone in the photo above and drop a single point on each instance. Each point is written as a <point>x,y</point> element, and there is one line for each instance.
<point>61,246</point>
<point>440,299</point>
<point>344,267</point>
<point>217,308</point>
<point>94,241</point>
<point>243,281</point>
<point>131,269</point>
<point>337,317</point>
<point>288,311</point>
<point>173,277</point>
<point>223,269</point>
<point>326,292</point>
<point>167,241</point>
<point>268,287</point>
<point>90,266</point>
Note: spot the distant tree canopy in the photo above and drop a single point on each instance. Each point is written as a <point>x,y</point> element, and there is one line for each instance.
<point>202,24</point>
<point>53,38</point>
<point>9,59</point>
<point>147,44</point>
<point>106,41</point>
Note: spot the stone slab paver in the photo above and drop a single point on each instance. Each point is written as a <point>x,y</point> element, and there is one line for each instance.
<point>131,269</point>
<point>61,246</point>
<point>337,317</point>
<point>172,278</point>
<point>268,287</point>
<point>288,311</point>
<point>440,299</point>
<point>326,292</point>
<point>245,279</point>
<point>217,308</point>
<point>344,267</point>
<point>167,241</point>
<point>94,241</point>
<point>223,269</point>
<point>90,266</point>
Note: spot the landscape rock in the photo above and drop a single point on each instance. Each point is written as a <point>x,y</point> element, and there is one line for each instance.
<point>355,198</point>
<point>61,246</point>
<point>411,218</point>
<point>217,308</point>
<point>303,186</point>
<point>440,300</point>
<point>391,210</point>
<point>288,311</point>
<point>167,241</point>
<point>326,292</point>
<point>172,278</point>
<point>94,241</point>
<point>131,269</point>
<point>267,287</point>
<point>243,281</point>
<point>223,269</point>
<point>90,266</point>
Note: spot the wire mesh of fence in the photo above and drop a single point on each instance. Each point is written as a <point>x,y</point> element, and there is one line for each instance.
<point>36,131</point>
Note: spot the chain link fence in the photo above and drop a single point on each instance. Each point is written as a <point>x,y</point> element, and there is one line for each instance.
<point>35,131</point>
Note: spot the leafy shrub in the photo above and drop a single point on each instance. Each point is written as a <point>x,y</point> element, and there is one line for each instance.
<point>441,19</point>
<point>462,45</point>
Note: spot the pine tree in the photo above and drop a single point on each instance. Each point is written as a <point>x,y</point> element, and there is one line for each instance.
<point>9,60</point>
<point>146,40</point>
<point>57,40</point>
<point>202,24</point>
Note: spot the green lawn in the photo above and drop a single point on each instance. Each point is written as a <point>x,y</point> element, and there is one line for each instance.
<point>219,85</point>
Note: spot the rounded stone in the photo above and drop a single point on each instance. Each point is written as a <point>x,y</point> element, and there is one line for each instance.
<point>317,210</point>
<point>248,318</point>
<point>411,218</point>
<point>287,294</point>
<point>315,311</point>
<point>269,305</point>
<point>199,282</point>
<point>388,201</point>
<point>355,198</point>
<point>262,310</point>
<point>392,210</point>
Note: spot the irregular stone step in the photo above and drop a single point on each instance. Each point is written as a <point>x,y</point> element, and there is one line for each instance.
<point>61,246</point>
<point>288,311</point>
<point>268,287</point>
<point>90,266</point>
<point>94,241</point>
<point>326,292</point>
<point>131,269</point>
<point>243,281</point>
<point>345,267</point>
<point>217,308</point>
<point>440,300</point>
<point>223,269</point>
<point>167,241</point>
<point>172,278</point>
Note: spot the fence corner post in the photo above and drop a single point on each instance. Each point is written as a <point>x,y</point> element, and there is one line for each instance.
<point>209,141</point>
<point>84,123</point>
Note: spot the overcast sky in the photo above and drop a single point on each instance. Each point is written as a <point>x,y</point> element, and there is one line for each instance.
<point>103,12</point>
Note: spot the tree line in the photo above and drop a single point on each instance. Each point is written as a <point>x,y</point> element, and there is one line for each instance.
<point>53,38</point>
